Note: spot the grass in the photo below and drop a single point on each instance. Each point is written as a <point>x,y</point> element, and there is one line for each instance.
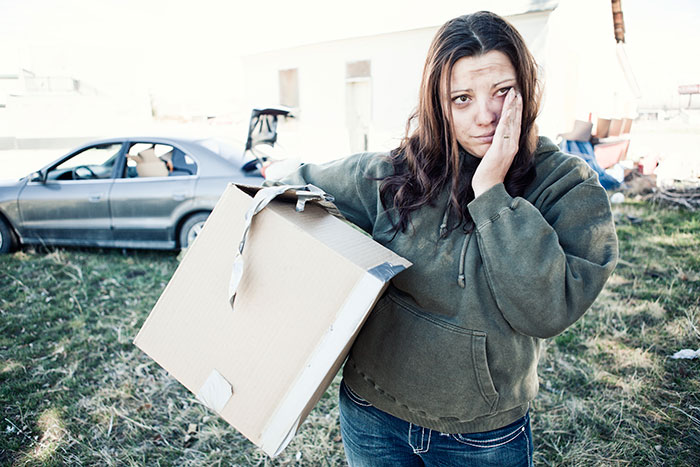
<point>74,389</point>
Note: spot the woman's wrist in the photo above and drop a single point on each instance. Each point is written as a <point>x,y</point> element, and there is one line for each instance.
<point>481,186</point>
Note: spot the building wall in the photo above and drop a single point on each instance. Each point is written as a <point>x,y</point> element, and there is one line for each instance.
<point>320,132</point>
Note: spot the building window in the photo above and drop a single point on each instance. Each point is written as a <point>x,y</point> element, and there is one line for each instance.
<point>289,87</point>
<point>359,69</point>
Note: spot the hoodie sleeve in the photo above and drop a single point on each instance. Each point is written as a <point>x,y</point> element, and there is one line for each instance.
<point>351,181</point>
<point>546,264</point>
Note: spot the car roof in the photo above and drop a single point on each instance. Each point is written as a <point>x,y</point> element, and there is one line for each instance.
<point>150,138</point>
<point>223,148</point>
<point>219,151</point>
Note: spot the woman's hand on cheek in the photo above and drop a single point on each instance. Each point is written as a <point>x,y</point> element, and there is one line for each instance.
<point>495,164</point>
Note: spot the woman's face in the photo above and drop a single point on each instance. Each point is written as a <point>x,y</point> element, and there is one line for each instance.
<point>479,85</point>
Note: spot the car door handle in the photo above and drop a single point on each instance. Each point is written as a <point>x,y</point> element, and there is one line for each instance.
<point>95,198</point>
<point>178,196</point>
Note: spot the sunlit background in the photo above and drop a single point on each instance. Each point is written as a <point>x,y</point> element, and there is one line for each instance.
<point>73,70</point>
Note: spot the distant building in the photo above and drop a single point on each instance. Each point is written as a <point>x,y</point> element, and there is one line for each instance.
<point>357,93</point>
<point>44,111</point>
<point>9,83</point>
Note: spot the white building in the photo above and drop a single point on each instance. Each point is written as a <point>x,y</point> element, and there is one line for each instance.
<point>357,93</point>
<point>49,111</point>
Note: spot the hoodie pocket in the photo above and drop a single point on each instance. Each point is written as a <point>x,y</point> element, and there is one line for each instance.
<point>429,366</point>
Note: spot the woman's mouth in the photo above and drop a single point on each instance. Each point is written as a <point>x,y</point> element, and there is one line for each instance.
<point>484,139</point>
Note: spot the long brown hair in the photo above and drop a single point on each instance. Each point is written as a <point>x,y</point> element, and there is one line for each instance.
<point>429,157</point>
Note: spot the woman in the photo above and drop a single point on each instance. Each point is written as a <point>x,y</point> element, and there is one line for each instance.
<point>511,241</point>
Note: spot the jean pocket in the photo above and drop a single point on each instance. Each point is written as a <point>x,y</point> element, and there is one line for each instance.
<point>493,439</point>
<point>354,397</point>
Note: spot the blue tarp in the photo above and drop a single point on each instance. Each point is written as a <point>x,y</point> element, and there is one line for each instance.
<point>585,151</point>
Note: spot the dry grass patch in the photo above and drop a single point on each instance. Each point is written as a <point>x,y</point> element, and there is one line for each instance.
<point>76,391</point>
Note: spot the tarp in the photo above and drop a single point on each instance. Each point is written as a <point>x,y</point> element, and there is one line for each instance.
<point>585,151</point>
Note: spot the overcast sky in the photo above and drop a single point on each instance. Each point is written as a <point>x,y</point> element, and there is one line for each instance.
<point>189,49</point>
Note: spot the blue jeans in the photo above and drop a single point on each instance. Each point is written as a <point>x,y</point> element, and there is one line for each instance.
<point>373,438</point>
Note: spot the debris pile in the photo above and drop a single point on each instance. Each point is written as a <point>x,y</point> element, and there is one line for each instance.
<point>685,194</point>
<point>679,193</point>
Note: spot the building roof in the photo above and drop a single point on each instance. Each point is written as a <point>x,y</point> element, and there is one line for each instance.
<point>518,7</point>
<point>363,20</point>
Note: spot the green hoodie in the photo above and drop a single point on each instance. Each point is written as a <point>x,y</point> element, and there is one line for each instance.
<point>454,343</point>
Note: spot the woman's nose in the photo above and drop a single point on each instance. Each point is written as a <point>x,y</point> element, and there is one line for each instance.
<point>488,111</point>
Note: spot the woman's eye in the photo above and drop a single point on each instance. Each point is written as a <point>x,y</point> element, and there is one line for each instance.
<point>504,91</point>
<point>461,99</point>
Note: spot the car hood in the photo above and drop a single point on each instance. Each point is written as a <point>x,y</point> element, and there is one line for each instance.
<point>9,188</point>
<point>5,182</point>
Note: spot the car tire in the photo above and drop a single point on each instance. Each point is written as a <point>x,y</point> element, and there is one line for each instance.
<point>191,228</point>
<point>6,239</point>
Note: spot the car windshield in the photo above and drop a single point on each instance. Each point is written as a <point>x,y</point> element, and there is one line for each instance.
<point>226,150</point>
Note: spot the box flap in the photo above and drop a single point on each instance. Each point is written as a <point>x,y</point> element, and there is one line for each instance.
<point>292,197</point>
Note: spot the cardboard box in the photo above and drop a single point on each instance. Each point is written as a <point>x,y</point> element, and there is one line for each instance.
<point>310,281</point>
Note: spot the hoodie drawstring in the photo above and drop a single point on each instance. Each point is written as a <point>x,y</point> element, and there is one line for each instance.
<point>461,279</point>
<point>443,226</point>
<point>462,255</point>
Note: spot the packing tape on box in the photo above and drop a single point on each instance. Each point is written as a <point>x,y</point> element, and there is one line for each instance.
<point>215,392</point>
<point>385,271</point>
<point>262,198</point>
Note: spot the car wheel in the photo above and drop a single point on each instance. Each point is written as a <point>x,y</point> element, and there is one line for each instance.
<point>191,228</point>
<point>6,239</point>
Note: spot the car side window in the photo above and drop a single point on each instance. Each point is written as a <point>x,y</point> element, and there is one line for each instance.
<point>95,162</point>
<point>158,160</point>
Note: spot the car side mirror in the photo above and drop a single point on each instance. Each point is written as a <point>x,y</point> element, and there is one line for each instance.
<point>39,176</point>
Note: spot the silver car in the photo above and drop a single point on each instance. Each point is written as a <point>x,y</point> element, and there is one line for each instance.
<point>146,192</point>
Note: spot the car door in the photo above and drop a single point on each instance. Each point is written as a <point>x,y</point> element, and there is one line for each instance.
<point>148,199</point>
<point>71,204</point>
